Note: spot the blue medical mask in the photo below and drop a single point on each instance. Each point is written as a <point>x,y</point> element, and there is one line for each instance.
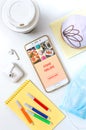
<point>75,97</point>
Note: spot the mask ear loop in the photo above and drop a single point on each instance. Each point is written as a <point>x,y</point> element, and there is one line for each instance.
<point>74,124</point>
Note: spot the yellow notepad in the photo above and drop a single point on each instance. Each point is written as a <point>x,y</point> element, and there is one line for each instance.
<point>55,115</point>
<point>56,28</point>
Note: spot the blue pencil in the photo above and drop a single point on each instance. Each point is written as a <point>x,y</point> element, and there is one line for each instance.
<point>37,111</point>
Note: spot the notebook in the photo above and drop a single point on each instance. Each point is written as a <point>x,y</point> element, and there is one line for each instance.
<point>55,115</point>
<point>68,51</point>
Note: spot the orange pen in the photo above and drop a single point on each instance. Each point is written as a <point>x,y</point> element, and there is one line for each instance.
<point>24,112</point>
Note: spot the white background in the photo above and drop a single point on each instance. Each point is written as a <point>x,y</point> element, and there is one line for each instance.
<point>50,10</point>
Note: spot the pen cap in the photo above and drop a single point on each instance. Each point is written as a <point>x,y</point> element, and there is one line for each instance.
<point>20,15</point>
<point>27,105</point>
<point>18,104</point>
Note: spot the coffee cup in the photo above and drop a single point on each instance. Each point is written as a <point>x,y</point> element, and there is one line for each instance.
<point>20,15</point>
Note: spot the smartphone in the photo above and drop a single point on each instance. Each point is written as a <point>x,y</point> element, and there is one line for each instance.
<point>46,63</point>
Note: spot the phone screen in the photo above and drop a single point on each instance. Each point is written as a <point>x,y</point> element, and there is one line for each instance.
<point>46,63</point>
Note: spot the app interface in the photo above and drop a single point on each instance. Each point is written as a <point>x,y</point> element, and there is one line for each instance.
<point>46,63</point>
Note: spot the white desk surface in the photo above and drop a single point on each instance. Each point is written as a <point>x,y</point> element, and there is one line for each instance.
<point>50,10</point>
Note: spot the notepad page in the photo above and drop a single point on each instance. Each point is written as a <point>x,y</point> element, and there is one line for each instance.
<point>56,116</point>
<point>56,29</point>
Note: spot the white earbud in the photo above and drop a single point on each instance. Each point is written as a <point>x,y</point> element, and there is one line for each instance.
<point>11,74</point>
<point>14,72</point>
<point>13,52</point>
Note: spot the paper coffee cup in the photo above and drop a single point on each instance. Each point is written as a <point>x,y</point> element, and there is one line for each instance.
<point>20,15</point>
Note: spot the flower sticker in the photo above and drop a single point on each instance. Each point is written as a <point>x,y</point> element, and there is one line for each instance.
<point>73,36</point>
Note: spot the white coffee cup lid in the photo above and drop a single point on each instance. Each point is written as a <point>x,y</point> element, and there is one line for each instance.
<point>18,7</point>
<point>19,15</point>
